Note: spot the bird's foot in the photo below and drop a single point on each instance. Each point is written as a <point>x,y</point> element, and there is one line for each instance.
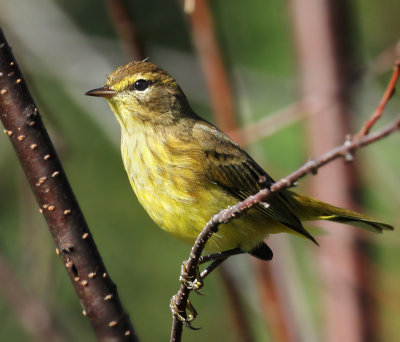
<point>191,283</point>
<point>185,318</point>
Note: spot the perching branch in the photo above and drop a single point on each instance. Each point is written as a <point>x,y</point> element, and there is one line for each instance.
<point>345,151</point>
<point>75,245</point>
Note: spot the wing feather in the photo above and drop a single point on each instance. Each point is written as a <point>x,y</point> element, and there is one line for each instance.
<point>234,170</point>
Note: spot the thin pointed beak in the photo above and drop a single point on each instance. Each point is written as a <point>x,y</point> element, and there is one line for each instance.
<point>101,92</point>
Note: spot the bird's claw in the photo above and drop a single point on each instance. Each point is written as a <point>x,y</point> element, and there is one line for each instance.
<point>191,284</point>
<point>190,317</point>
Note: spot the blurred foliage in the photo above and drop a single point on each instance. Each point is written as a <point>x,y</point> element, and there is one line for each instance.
<point>256,42</point>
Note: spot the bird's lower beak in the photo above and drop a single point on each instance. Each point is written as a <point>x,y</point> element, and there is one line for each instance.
<point>101,92</point>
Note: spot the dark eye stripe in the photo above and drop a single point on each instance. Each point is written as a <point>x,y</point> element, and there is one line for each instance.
<point>141,85</point>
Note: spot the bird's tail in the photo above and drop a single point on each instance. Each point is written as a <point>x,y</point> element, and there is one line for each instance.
<point>310,209</point>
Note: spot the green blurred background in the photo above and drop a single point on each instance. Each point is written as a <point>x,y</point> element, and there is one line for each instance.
<point>65,48</point>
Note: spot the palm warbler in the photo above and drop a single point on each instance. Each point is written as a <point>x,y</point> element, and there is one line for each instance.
<point>184,170</point>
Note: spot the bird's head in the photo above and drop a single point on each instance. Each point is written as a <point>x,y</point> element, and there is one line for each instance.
<point>143,91</point>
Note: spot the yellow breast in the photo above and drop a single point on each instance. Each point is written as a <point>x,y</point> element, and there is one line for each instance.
<point>166,180</point>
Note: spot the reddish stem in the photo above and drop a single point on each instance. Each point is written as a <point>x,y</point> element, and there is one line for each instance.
<point>390,89</point>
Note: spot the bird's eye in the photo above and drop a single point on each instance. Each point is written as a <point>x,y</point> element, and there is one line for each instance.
<point>141,85</point>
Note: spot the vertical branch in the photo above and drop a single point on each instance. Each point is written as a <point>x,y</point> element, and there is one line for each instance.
<point>125,29</point>
<point>213,67</point>
<point>240,321</point>
<point>322,33</point>
<point>271,304</point>
<point>75,245</point>
<point>33,315</point>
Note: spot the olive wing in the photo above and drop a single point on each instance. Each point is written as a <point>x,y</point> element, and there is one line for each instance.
<point>234,170</point>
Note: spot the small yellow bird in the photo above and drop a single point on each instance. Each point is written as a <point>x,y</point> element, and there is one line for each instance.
<point>184,170</point>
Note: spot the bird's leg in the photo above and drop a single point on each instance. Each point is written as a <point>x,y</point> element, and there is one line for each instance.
<point>220,255</point>
<point>196,283</point>
<point>216,258</point>
<point>211,268</point>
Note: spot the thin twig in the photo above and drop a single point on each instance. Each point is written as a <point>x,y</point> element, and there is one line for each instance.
<point>286,116</point>
<point>271,124</point>
<point>385,99</point>
<point>384,60</point>
<point>75,245</point>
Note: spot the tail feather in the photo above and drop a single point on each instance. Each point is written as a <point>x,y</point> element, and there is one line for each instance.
<point>364,222</point>
<point>310,209</point>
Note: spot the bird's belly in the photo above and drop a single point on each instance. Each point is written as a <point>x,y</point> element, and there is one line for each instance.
<point>184,214</point>
<point>173,205</point>
<point>181,200</point>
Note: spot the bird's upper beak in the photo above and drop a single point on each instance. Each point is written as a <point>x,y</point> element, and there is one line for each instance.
<point>101,92</point>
